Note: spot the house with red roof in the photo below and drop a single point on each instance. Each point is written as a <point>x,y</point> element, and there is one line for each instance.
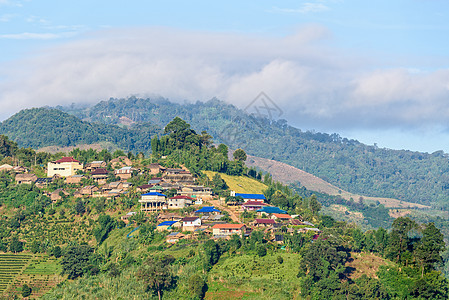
<point>264,222</point>
<point>179,201</point>
<point>64,167</point>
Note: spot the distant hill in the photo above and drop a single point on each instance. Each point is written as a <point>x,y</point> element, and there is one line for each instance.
<point>348,164</point>
<point>285,173</point>
<point>41,127</point>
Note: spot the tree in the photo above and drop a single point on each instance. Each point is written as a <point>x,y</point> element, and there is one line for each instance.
<point>429,248</point>
<point>197,286</point>
<point>156,274</point>
<point>223,149</point>
<point>79,207</point>
<point>75,261</point>
<point>16,245</point>
<point>26,290</point>
<point>239,155</point>
<point>105,225</point>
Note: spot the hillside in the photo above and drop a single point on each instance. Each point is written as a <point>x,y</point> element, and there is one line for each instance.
<point>240,184</point>
<point>41,127</point>
<point>348,164</point>
<point>287,174</point>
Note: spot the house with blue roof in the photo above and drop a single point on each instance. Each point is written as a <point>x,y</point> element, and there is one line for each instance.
<point>271,210</point>
<point>207,210</point>
<point>168,225</point>
<point>153,201</point>
<point>250,197</point>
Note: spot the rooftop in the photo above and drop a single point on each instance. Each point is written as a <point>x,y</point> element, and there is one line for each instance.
<point>228,226</point>
<point>66,159</point>
<point>153,194</point>
<point>250,196</point>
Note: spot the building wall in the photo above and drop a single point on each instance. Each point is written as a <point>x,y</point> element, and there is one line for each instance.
<point>63,169</point>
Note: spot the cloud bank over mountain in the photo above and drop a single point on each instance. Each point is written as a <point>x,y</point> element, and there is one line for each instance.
<point>314,82</point>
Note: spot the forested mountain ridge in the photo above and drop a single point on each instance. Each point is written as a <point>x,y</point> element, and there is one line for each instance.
<point>355,167</point>
<point>348,164</point>
<point>40,127</point>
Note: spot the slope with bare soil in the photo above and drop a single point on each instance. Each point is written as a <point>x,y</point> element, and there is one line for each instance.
<point>288,174</point>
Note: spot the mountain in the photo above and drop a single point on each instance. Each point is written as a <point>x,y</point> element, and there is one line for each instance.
<point>40,127</point>
<point>348,164</point>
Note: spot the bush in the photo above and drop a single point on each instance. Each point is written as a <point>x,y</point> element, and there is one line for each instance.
<point>261,250</point>
<point>26,290</point>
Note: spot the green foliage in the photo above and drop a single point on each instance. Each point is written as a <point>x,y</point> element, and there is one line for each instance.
<point>76,260</point>
<point>16,245</point>
<point>26,290</point>
<point>197,286</point>
<point>105,225</point>
<point>156,274</point>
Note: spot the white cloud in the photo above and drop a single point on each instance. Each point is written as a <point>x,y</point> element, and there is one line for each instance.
<point>315,85</point>
<point>35,36</point>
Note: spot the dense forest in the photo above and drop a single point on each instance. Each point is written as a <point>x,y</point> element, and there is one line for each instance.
<point>348,164</point>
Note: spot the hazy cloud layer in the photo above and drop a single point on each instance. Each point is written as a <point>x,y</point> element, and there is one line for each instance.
<point>314,83</point>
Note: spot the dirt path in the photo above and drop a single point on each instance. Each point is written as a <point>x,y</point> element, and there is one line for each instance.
<point>232,214</point>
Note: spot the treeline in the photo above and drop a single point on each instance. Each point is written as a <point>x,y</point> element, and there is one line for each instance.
<point>349,164</point>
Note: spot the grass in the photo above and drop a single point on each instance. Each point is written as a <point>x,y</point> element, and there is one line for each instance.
<point>252,277</point>
<point>365,264</point>
<point>43,268</point>
<point>240,184</point>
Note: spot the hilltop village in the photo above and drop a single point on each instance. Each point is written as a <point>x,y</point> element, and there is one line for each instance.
<point>181,205</point>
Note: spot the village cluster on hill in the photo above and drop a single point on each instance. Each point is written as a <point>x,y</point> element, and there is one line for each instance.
<point>167,193</point>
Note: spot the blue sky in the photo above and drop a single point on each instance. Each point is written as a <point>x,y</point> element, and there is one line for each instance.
<point>377,72</point>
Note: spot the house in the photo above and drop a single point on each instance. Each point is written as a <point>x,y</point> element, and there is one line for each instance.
<point>169,217</point>
<point>177,202</point>
<point>126,185</point>
<point>126,217</point>
<point>281,217</point>
<point>155,180</point>
<point>228,229</point>
<point>56,195</point>
<point>88,190</point>
<point>97,164</point>
<point>6,167</point>
<point>153,201</point>
<point>100,175</point>
<point>66,166</point>
<point>207,210</point>
<point>74,179</point>
<point>114,192</point>
<point>264,222</point>
<point>190,223</point>
<point>124,173</point>
<point>253,205</point>
<point>116,185</point>
<point>178,176</point>
<point>196,191</point>
<point>143,188</point>
<point>306,229</point>
<point>156,168</point>
<point>174,237</point>
<point>296,222</point>
<point>20,169</point>
<point>41,182</point>
<point>168,225</point>
<point>270,210</point>
<point>25,178</point>
<point>249,197</point>
<point>121,161</point>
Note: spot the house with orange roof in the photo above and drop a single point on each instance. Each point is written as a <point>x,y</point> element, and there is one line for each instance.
<point>282,217</point>
<point>228,229</point>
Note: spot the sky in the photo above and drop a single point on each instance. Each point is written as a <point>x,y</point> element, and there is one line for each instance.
<point>374,71</point>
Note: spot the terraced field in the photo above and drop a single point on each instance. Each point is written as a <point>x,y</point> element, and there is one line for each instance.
<point>11,265</point>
